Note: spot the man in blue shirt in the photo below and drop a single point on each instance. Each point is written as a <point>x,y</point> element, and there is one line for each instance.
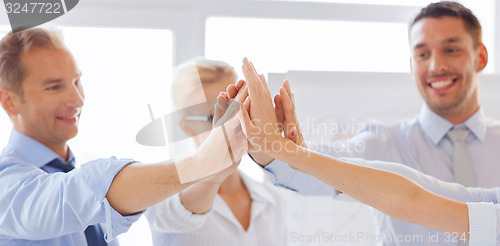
<point>43,199</point>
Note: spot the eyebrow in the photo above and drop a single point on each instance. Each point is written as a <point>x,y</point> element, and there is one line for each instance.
<point>52,81</point>
<point>446,41</point>
<point>451,40</point>
<point>55,81</point>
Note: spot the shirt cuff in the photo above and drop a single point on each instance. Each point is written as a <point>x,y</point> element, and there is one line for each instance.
<point>99,175</point>
<point>170,216</point>
<point>279,172</point>
<point>184,214</point>
<point>482,224</point>
<point>116,223</point>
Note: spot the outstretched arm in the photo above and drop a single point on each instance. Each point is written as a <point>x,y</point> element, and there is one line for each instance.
<point>388,192</point>
<point>138,186</point>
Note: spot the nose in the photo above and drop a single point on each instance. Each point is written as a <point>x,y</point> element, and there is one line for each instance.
<point>75,97</point>
<point>437,64</point>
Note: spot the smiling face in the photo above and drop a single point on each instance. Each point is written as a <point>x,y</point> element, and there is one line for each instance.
<point>49,108</point>
<point>445,65</point>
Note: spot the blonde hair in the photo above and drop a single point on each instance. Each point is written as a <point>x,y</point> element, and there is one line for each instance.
<point>194,75</point>
<point>14,45</point>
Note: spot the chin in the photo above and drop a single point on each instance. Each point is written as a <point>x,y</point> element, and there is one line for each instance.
<point>71,134</point>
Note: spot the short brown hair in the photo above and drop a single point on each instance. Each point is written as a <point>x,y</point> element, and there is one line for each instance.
<point>13,45</point>
<point>452,9</point>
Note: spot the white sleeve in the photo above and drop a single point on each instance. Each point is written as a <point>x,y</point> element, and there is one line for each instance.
<point>370,143</point>
<point>447,189</point>
<point>483,224</point>
<point>170,216</point>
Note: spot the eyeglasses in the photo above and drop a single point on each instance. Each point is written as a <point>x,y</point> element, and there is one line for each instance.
<point>199,118</point>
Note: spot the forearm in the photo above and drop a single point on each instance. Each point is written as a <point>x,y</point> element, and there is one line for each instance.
<point>199,198</point>
<point>138,186</point>
<point>390,193</point>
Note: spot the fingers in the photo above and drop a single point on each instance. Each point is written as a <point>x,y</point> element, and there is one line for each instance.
<point>246,123</point>
<point>242,91</point>
<point>280,115</point>
<point>286,84</point>
<point>222,102</point>
<point>256,83</point>
<point>242,94</point>
<point>246,104</point>
<point>292,134</point>
<point>287,111</point>
<point>222,95</point>
<point>232,91</point>
<point>251,79</point>
<point>263,79</point>
<point>239,84</point>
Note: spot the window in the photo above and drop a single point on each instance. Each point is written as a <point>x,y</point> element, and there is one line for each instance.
<point>123,71</point>
<point>279,45</point>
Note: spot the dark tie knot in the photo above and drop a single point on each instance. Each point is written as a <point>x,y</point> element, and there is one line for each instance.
<point>63,167</point>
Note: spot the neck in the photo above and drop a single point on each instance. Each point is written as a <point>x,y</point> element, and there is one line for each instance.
<point>456,116</point>
<point>231,184</point>
<point>61,149</point>
<point>61,152</point>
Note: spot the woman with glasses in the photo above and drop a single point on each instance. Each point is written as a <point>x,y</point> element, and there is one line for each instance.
<point>228,208</point>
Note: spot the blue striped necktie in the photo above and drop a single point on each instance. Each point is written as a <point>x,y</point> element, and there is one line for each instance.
<point>93,233</point>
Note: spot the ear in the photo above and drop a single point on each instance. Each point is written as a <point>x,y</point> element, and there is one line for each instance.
<point>483,58</point>
<point>9,100</point>
<point>185,128</point>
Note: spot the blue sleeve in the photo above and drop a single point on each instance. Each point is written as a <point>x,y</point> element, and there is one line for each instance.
<point>37,205</point>
<point>281,174</point>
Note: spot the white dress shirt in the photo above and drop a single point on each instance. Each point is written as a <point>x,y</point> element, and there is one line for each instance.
<point>172,224</point>
<point>484,224</point>
<point>420,143</point>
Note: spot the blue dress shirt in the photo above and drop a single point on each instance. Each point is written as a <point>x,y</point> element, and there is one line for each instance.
<point>43,208</point>
<point>420,143</point>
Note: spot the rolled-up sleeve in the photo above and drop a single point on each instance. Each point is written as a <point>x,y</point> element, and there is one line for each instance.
<point>99,175</point>
<point>37,205</point>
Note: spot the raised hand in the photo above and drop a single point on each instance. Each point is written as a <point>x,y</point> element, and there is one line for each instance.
<point>259,120</point>
<point>223,148</point>
<point>286,115</point>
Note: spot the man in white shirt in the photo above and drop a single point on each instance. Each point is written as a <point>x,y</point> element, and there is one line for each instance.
<point>447,57</point>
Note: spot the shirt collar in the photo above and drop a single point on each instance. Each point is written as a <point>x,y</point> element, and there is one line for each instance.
<point>260,195</point>
<point>477,124</point>
<point>33,151</point>
<point>436,127</point>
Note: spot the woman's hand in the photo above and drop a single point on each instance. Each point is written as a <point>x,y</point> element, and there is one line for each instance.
<point>285,112</point>
<point>258,116</point>
<point>223,148</point>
